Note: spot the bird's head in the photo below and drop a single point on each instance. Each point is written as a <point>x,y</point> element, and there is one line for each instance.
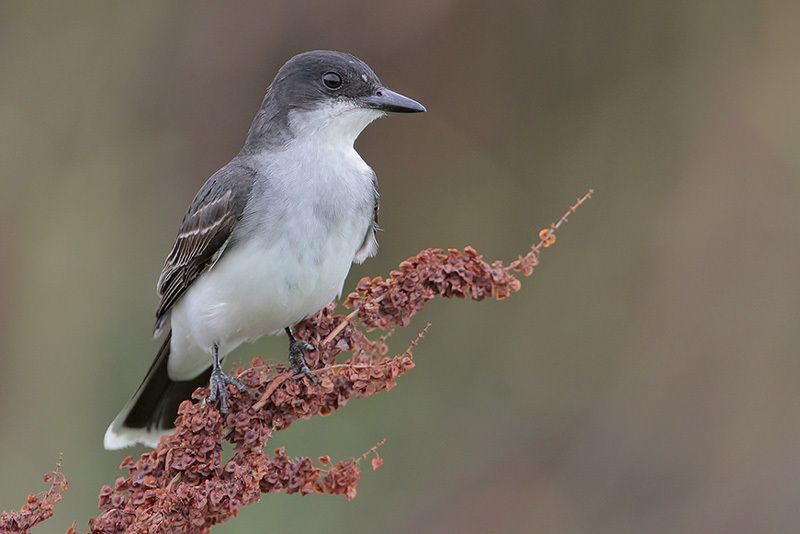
<point>329,93</point>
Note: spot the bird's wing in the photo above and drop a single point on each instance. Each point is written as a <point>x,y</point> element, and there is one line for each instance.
<point>369,247</point>
<point>204,234</point>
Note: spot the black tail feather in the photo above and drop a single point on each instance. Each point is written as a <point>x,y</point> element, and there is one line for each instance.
<point>154,406</point>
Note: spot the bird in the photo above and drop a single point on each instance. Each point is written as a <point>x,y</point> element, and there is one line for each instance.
<point>268,239</point>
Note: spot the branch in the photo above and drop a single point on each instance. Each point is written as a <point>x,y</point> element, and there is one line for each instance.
<point>453,273</point>
<point>185,485</point>
<point>39,506</point>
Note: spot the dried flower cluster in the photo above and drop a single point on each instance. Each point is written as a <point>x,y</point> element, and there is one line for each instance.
<point>185,484</point>
<point>38,507</point>
<point>392,302</point>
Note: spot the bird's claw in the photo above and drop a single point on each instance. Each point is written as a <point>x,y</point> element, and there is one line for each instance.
<point>297,359</point>
<point>219,388</point>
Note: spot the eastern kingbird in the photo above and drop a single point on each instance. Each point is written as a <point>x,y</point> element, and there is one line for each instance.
<point>269,238</point>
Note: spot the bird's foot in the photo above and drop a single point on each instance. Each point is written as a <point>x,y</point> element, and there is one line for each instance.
<point>297,358</point>
<point>219,388</point>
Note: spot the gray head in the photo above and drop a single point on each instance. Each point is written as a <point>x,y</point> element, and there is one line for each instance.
<point>323,93</point>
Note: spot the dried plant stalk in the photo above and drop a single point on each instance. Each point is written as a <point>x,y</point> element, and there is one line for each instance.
<point>184,485</point>
<point>39,506</point>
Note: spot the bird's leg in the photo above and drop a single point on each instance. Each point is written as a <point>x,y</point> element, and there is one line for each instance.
<point>219,382</point>
<point>297,359</point>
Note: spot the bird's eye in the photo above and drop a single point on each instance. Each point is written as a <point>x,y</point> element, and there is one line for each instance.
<point>332,80</point>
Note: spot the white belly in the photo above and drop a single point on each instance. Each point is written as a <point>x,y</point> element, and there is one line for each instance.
<point>254,290</point>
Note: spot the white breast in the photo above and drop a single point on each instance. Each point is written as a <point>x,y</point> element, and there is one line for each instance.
<point>310,210</point>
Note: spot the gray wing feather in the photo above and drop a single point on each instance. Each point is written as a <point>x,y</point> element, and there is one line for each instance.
<point>204,234</point>
<point>369,247</point>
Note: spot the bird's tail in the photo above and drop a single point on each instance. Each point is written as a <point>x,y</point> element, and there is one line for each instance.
<point>152,410</point>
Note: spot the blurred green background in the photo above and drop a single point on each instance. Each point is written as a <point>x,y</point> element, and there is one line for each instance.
<point>644,380</point>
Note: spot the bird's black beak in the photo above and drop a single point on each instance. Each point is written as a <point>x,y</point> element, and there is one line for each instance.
<point>387,100</point>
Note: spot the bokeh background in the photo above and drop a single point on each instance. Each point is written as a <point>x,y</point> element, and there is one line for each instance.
<point>646,379</point>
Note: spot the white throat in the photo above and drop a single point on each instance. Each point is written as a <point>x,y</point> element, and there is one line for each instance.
<point>335,124</point>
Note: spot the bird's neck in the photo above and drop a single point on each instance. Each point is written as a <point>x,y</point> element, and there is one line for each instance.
<point>335,125</point>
